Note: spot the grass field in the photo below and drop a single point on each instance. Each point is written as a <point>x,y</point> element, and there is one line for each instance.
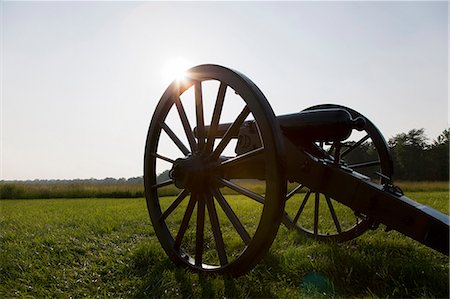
<point>107,248</point>
<point>30,190</point>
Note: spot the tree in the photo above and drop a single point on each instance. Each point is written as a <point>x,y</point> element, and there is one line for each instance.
<point>443,138</point>
<point>439,157</point>
<point>408,151</point>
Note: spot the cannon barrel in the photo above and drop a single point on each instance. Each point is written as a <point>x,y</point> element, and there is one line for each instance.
<point>311,125</point>
<point>320,125</point>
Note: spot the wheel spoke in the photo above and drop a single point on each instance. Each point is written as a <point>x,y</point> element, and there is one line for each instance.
<point>302,206</point>
<point>241,158</point>
<point>162,184</point>
<point>316,214</point>
<point>163,158</point>
<point>216,116</point>
<point>292,193</point>
<point>233,130</point>
<point>215,225</point>
<point>333,215</point>
<point>232,216</point>
<point>321,152</point>
<point>199,114</point>
<point>242,190</point>
<point>185,222</point>
<point>174,138</point>
<point>364,164</point>
<point>186,125</point>
<point>199,234</point>
<point>354,146</point>
<point>337,152</point>
<point>330,150</point>
<point>181,196</point>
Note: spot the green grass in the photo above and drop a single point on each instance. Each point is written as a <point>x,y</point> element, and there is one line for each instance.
<point>107,248</point>
<point>407,186</point>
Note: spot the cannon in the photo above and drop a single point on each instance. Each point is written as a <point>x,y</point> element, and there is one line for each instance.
<point>240,172</point>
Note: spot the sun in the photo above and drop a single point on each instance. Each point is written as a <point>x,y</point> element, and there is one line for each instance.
<point>175,69</point>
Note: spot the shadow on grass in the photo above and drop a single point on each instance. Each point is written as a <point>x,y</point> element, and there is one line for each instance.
<point>380,267</point>
<point>160,278</point>
<point>374,267</point>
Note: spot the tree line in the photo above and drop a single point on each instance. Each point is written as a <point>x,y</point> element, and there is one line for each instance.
<point>91,181</point>
<point>416,159</point>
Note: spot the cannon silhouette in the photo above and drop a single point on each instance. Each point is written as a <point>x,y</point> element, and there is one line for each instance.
<point>325,171</point>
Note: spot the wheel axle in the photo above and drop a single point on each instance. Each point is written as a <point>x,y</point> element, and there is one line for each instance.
<point>194,173</point>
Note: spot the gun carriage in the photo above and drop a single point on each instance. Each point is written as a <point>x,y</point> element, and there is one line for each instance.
<point>311,151</point>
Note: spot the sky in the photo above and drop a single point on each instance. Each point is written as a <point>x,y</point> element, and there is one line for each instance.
<point>80,80</point>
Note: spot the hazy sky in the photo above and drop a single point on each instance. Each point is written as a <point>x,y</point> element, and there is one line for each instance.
<point>80,80</point>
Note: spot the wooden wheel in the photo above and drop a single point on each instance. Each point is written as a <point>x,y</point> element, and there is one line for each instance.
<point>322,217</point>
<point>202,227</point>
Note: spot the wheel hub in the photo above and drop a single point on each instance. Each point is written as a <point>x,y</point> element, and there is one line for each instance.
<point>193,173</point>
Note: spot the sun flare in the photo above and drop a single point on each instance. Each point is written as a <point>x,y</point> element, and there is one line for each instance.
<point>175,69</point>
